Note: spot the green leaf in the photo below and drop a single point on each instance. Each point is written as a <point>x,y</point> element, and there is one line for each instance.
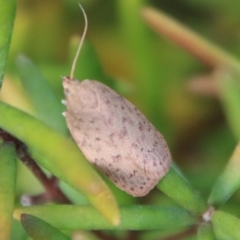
<point>7,16</point>
<point>228,182</point>
<point>61,157</point>
<point>7,188</point>
<point>186,38</point>
<point>18,233</point>
<point>220,235</point>
<point>150,92</point>
<point>226,224</point>
<point>48,107</point>
<point>205,232</point>
<point>229,89</point>
<point>134,217</point>
<point>38,229</point>
<point>180,191</point>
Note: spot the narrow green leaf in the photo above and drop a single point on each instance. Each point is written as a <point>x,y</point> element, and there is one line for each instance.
<point>7,16</point>
<point>61,157</point>
<point>7,188</point>
<point>205,232</point>
<point>220,235</point>
<point>180,191</point>
<point>18,233</point>
<point>186,38</point>
<point>228,182</point>
<point>134,217</point>
<point>229,89</point>
<point>38,229</point>
<point>48,107</point>
<point>227,224</point>
<point>143,63</point>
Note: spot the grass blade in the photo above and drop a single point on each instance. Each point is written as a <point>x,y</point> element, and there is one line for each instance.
<point>180,191</point>
<point>48,107</point>
<point>201,48</point>
<point>227,225</point>
<point>134,217</point>
<point>229,89</point>
<point>7,16</point>
<point>39,229</point>
<point>228,182</point>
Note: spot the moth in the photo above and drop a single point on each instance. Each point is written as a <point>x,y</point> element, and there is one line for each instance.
<point>114,135</point>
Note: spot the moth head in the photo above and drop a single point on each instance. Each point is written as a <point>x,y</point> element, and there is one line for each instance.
<point>79,95</point>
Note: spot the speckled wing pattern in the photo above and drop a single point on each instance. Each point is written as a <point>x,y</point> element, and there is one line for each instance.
<point>115,136</point>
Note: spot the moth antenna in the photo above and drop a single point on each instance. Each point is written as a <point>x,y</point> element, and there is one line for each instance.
<point>80,44</point>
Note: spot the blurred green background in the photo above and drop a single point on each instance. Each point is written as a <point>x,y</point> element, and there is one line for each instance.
<point>148,69</point>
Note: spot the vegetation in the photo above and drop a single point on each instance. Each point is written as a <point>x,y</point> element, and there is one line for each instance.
<point>186,85</point>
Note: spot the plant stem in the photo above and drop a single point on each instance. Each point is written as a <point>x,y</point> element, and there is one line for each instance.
<point>53,193</point>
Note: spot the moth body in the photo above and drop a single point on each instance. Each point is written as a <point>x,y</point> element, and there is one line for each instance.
<point>115,136</point>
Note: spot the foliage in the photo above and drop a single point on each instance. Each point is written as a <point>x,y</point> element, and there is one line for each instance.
<point>185,84</point>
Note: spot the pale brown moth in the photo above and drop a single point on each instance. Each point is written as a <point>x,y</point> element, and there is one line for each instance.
<point>113,134</point>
